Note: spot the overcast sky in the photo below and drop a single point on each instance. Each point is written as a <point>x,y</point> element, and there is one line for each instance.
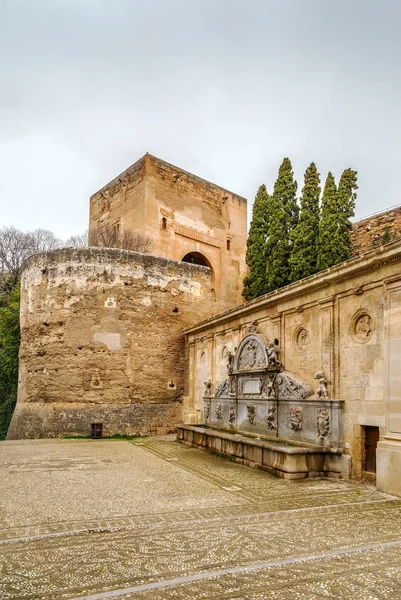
<point>222,88</point>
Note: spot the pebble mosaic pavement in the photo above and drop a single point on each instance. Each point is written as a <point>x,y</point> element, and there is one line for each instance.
<point>153,519</point>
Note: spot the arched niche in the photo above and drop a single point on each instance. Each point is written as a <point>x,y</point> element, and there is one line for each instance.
<point>251,353</point>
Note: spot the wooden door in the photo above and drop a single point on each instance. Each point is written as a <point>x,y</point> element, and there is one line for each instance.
<point>371,439</point>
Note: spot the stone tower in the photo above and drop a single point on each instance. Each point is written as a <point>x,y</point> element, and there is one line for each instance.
<point>187,219</point>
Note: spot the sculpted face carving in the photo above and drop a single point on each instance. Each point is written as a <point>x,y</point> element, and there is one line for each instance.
<point>272,418</point>
<point>302,338</point>
<point>323,422</point>
<point>219,410</point>
<point>295,418</point>
<point>251,413</point>
<point>361,327</point>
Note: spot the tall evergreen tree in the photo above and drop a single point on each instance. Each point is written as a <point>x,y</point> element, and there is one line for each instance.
<point>303,259</point>
<point>334,242</point>
<point>283,219</point>
<point>327,254</point>
<point>255,282</point>
<point>346,205</point>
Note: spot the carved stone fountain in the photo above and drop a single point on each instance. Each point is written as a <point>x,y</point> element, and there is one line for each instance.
<point>302,434</point>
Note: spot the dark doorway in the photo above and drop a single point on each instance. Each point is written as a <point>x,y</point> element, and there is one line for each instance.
<point>371,439</point>
<point>196,258</point>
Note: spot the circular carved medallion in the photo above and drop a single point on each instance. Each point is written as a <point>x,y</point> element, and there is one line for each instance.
<point>302,338</point>
<point>361,326</point>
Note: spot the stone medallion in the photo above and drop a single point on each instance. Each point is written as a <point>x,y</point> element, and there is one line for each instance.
<point>361,326</point>
<point>302,338</point>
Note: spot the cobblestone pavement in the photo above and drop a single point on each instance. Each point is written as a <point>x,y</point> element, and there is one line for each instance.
<point>156,520</point>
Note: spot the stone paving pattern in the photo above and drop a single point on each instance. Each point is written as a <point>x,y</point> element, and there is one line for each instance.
<point>157,520</point>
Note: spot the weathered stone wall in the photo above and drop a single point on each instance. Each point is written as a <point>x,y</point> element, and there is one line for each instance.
<point>101,341</point>
<point>371,232</point>
<point>344,321</point>
<point>182,214</point>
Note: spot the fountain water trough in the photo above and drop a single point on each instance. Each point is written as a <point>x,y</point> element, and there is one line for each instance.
<point>267,417</point>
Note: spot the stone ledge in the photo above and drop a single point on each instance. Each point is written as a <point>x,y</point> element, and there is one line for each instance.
<point>282,459</point>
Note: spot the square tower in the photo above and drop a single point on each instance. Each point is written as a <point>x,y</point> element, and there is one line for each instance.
<point>186,218</point>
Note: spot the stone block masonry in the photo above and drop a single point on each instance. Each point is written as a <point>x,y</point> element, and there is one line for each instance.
<point>101,341</point>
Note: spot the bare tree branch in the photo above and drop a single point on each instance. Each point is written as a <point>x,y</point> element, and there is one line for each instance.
<point>15,247</point>
<point>111,237</point>
<point>81,239</point>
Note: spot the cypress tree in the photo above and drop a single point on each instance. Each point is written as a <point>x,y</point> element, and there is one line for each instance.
<point>346,207</point>
<point>303,259</point>
<point>328,226</point>
<point>255,282</point>
<point>334,241</point>
<point>283,219</point>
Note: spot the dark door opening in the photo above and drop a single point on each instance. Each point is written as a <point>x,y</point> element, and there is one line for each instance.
<point>196,258</point>
<point>371,439</point>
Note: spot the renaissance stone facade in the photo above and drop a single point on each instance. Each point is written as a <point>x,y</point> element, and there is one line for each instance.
<point>101,341</point>
<point>102,330</point>
<point>185,217</point>
<point>339,331</point>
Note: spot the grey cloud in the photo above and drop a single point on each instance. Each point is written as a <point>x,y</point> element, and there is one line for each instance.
<point>223,88</point>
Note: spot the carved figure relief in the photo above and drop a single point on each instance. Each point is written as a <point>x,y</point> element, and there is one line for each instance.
<point>322,387</point>
<point>230,361</point>
<point>295,417</point>
<point>208,387</point>
<point>361,327</point>
<point>222,389</point>
<point>231,416</point>
<point>323,422</point>
<point>252,356</point>
<point>232,386</point>
<point>268,387</point>
<point>291,386</point>
<point>302,338</point>
<point>206,410</point>
<point>219,410</point>
<point>252,327</point>
<point>251,413</point>
<point>273,354</point>
<point>272,418</point>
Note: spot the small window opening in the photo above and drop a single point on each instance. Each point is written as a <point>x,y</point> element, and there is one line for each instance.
<point>175,310</point>
<point>228,244</point>
<point>164,223</point>
<point>116,229</point>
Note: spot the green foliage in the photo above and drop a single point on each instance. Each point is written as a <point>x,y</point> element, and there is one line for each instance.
<point>303,259</point>
<point>9,347</point>
<point>283,219</point>
<point>327,243</point>
<point>387,235</point>
<point>255,282</point>
<point>346,209</point>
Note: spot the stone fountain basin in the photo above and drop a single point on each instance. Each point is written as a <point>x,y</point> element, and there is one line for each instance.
<point>282,458</point>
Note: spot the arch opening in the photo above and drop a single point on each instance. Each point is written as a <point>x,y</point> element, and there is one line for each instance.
<point>196,258</point>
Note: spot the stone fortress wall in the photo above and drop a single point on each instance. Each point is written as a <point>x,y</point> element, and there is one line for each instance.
<point>345,322</point>
<point>183,215</point>
<point>101,341</point>
<point>369,232</point>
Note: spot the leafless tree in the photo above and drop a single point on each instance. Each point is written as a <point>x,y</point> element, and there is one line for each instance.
<point>43,240</point>
<point>81,239</point>
<point>111,237</point>
<point>15,247</point>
